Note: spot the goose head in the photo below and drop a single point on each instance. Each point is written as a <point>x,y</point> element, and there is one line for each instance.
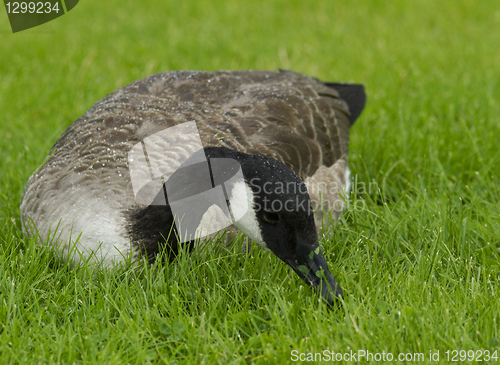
<point>271,205</point>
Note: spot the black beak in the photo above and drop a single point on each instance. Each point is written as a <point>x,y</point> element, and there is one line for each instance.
<point>310,264</point>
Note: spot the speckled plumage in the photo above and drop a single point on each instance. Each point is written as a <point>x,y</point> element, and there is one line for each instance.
<point>84,186</point>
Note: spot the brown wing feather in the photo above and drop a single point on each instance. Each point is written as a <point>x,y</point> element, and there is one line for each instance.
<point>277,106</point>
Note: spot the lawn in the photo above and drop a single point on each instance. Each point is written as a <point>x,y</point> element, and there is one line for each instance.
<point>417,252</point>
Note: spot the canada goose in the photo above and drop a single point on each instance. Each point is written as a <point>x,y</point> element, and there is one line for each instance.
<point>280,127</point>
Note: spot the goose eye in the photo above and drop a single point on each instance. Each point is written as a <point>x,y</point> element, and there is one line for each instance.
<point>270,217</point>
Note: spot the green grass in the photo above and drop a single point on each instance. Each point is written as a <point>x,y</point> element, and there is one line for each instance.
<point>417,255</point>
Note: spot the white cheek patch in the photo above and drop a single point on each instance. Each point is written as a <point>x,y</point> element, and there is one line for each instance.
<point>241,205</point>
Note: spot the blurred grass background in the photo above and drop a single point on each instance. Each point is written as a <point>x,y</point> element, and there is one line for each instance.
<point>419,263</point>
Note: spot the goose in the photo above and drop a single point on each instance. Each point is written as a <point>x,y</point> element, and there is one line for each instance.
<point>246,137</point>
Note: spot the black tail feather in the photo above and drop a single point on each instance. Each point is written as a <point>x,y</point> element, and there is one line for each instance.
<point>354,95</point>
